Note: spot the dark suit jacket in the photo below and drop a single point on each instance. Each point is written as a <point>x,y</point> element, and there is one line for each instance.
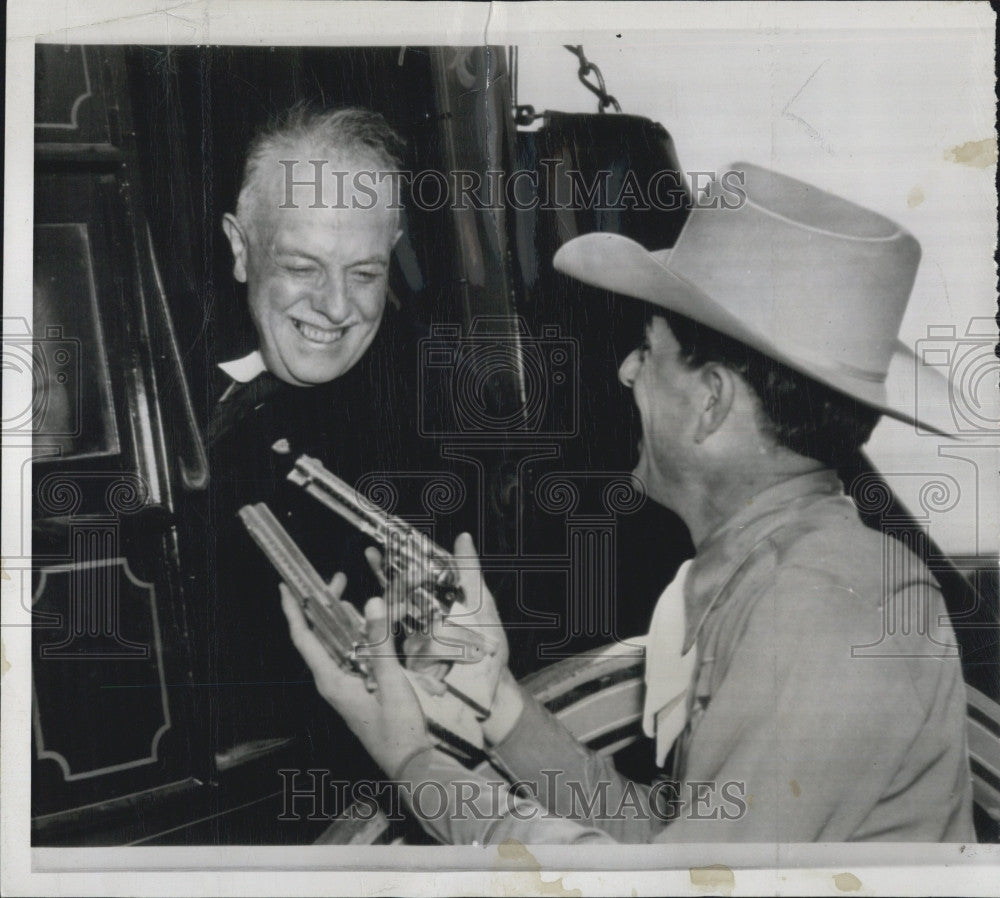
<point>360,424</point>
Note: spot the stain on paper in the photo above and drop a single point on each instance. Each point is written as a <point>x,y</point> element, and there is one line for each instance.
<point>915,197</point>
<point>975,153</point>
<point>847,882</point>
<point>513,850</point>
<point>4,663</point>
<point>716,878</point>
<point>796,788</point>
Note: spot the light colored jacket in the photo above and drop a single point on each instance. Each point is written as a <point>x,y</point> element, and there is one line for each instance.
<point>827,703</point>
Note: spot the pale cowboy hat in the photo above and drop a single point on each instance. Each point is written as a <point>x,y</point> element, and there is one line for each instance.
<point>807,278</point>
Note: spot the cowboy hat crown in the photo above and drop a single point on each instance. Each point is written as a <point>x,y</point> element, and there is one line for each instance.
<point>809,279</point>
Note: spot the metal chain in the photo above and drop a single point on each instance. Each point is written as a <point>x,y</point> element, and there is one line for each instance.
<point>524,115</point>
<point>604,99</point>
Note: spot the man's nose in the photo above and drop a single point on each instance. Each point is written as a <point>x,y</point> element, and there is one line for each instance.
<point>331,299</point>
<point>627,370</point>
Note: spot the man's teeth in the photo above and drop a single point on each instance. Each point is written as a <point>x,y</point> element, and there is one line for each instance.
<point>319,334</point>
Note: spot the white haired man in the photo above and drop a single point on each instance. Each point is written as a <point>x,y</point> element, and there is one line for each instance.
<point>315,224</point>
<point>312,236</point>
<point>770,348</point>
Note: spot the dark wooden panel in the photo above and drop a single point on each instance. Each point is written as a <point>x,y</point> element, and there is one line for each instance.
<point>69,104</point>
<point>110,704</point>
<point>102,655</point>
<point>111,663</point>
<point>78,415</point>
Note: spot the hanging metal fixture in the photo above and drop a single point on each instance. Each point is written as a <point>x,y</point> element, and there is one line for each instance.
<point>525,114</point>
<point>604,99</point>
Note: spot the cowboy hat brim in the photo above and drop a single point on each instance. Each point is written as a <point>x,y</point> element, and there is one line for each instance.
<point>616,263</point>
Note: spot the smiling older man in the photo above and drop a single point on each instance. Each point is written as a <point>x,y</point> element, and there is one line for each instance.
<point>316,221</point>
<point>314,254</point>
<point>312,237</point>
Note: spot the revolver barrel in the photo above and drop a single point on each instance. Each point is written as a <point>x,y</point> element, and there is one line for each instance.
<point>423,586</point>
<point>338,625</point>
<point>405,548</point>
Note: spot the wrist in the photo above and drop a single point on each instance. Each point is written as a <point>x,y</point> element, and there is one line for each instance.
<point>398,769</point>
<point>506,711</point>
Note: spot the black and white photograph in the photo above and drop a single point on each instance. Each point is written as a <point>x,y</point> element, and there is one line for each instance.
<point>500,448</point>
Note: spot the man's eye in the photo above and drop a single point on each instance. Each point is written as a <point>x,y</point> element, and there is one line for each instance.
<point>300,269</point>
<point>366,276</point>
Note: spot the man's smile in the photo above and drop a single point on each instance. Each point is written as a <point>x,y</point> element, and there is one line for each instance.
<point>320,335</point>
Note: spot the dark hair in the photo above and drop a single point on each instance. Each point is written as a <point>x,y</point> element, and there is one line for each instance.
<point>800,413</point>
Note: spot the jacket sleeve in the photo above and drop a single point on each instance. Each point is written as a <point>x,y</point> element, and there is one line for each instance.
<point>462,807</point>
<point>804,739</point>
<point>556,791</point>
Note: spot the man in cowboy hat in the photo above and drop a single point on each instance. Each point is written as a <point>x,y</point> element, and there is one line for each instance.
<point>769,354</point>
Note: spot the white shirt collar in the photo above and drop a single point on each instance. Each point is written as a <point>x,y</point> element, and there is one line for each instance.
<point>668,668</point>
<point>242,370</point>
<point>245,369</point>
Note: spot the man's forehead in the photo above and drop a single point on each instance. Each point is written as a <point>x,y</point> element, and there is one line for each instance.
<point>305,221</point>
<point>318,178</point>
<point>658,324</point>
<point>346,234</point>
<point>296,194</point>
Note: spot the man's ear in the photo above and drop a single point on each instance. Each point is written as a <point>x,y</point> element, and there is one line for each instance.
<point>717,395</point>
<point>239,243</point>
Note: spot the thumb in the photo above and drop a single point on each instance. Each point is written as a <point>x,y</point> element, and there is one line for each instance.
<point>375,561</point>
<point>465,553</point>
<point>381,654</point>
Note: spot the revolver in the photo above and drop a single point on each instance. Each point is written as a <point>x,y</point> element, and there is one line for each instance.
<point>454,669</point>
<point>423,592</point>
<point>421,578</point>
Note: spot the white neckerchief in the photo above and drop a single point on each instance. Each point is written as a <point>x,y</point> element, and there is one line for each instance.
<point>243,370</point>
<point>668,672</point>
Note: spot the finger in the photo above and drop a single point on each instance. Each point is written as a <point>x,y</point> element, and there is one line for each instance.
<point>310,648</point>
<point>378,634</point>
<point>341,689</point>
<point>374,558</point>
<point>424,653</point>
<point>392,683</point>
<point>338,583</point>
<point>465,549</point>
<point>429,683</point>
